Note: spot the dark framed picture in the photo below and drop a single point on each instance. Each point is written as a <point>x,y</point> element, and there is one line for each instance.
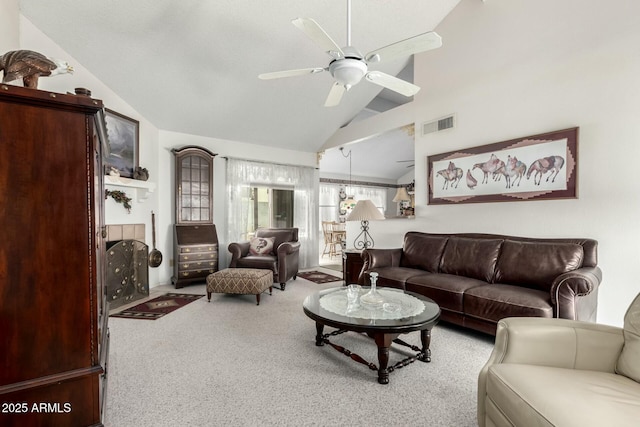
<point>123,135</point>
<point>534,167</point>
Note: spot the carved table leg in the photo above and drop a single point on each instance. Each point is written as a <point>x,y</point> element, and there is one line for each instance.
<point>425,337</point>
<point>319,329</point>
<point>383,341</point>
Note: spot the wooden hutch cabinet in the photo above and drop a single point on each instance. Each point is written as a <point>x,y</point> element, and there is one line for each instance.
<point>53,311</point>
<point>195,239</point>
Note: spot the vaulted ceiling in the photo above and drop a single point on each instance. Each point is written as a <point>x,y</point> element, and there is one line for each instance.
<point>192,66</point>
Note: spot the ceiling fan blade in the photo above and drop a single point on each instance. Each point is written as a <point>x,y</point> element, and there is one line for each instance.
<point>314,31</point>
<point>407,47</point>
<point>392,83</point>
<point>335,95</point>
<point>290,73</point>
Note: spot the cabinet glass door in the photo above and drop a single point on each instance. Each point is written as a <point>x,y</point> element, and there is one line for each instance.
<point>194,180</point>
<point>196,194</point>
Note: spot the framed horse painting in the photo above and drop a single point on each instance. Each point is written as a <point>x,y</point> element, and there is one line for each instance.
<point>535,167</point>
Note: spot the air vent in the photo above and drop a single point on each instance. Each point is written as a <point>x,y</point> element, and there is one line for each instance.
<point>438,125</point>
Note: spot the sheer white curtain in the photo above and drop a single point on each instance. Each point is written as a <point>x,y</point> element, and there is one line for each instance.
<point>329,203</point>
<point>241,174</point>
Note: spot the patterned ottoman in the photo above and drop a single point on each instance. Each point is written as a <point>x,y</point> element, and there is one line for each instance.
<point>240,281</point>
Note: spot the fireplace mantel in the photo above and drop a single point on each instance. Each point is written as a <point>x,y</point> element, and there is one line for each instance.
<point>143,188</point>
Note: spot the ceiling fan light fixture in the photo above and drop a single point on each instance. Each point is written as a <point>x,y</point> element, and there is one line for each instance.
<point>348,71</point>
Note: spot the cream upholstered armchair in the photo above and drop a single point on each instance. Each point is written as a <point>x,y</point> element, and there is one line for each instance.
<point>558,372</point>
<point>275,249</point>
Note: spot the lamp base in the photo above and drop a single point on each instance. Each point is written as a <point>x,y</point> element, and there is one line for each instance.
<point>364,239</point>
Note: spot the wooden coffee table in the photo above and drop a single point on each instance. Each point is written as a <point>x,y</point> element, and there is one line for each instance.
<point>384,331</point>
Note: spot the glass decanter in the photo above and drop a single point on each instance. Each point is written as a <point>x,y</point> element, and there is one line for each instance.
<point>372,298</point>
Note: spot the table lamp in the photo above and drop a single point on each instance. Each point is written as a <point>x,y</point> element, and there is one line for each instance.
<point>364,212</point>
<point>401,196</point>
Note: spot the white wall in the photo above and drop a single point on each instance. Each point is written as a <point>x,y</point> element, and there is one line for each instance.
<point>508,70</point>
<point>512,69</point>
<point>155,154</point>
<point>168,141</point>
<point>9,25</point>
<point>32,38</point>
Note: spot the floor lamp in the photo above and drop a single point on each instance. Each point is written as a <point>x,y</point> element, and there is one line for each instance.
<point>364,212</point>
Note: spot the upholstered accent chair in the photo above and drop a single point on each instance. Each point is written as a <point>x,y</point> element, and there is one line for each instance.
<point>560,372</point>
<point>282,259</point>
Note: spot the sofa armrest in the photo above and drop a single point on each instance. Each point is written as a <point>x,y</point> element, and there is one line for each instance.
<point>377,258</point>
<point>287,248</point>
<point>238,250</point>
<point>574,294</point>
<point>560,343</point>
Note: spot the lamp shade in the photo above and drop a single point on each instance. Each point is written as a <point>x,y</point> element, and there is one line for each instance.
<point>401,195</point>
<point>365,210</point>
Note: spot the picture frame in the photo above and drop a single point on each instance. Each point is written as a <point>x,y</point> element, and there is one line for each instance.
<point>123,134</point>
<point>537,167</point>
<point>101,133</point>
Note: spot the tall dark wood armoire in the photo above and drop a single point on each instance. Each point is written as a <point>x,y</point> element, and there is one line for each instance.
<point>53,311</point>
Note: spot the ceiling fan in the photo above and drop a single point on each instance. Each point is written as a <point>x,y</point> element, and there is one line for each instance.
<point>407,161</point>
<point>348,66</point>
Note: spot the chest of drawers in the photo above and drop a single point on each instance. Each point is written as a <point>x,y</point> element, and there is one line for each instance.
<point>195,253</point>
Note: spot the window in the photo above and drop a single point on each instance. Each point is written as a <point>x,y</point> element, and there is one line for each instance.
<point>268,207</point>
<point>330,200</point>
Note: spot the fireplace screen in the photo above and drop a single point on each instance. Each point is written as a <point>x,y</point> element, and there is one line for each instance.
<point>127,272</point>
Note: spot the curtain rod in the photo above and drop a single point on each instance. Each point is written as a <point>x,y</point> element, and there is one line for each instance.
<point>262,161</point>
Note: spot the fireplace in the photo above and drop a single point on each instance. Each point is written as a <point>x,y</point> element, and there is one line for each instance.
<point>127,264</point>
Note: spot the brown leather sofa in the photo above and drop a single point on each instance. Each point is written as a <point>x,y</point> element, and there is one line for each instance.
<point>283,260</point>
<point>478,279</point>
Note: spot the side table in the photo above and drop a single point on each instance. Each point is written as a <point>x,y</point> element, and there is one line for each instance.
<point>352,263</point>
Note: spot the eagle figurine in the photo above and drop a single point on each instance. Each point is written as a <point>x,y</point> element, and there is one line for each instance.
<point>29,66</point>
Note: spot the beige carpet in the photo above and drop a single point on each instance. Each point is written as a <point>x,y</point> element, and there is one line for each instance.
<point>335,267</point>
<point>232,363</point>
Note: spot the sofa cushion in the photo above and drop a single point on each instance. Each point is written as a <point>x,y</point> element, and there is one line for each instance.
<point>445,289</point>
<point>629,360</point>
<point>395,277</point>
<point>535,264</point>
<point>529,395</point>
<point>262,261</point>
<point>497,301</point>
<point>475,258</point>
<point>423,251</point>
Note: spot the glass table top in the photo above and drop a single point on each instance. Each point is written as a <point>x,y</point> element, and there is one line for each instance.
<point>405,309</point>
